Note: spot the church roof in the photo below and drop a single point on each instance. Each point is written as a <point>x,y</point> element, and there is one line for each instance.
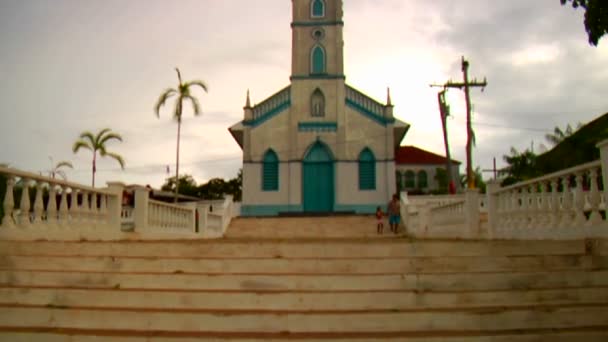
<point>414,155</point>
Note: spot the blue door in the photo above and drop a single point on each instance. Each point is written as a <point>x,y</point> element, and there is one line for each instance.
<point>318,180</point>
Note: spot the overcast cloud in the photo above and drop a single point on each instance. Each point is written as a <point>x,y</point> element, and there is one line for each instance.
<point>67,66</point>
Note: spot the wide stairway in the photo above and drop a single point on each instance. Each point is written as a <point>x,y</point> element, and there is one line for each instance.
<point>305,279</point>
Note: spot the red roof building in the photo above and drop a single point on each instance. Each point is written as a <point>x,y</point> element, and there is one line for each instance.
<point>416,170</point>
<point>412,155</point>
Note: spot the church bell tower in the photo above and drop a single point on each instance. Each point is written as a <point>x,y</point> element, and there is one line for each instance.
<point>317,43</point>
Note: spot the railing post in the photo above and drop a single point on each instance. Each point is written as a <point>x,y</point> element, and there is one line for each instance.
<point>140,209</point>
<point>115,205</point>
<point>603,146</point>
<point>492,187</point>
<point>471,202</point>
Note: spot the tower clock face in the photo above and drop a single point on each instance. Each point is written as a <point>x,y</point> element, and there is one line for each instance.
<point>318,33</point>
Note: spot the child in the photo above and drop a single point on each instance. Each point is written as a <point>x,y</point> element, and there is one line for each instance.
<point>379,215</point>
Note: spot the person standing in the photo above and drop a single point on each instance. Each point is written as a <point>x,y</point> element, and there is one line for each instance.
<point>394,214</point>
<point>380,224</point>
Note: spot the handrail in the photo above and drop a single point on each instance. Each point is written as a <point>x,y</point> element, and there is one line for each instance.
<point>551,176</point>
<point>45,179</point>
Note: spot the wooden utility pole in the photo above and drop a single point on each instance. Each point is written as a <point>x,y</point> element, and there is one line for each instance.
<point>444,112</point>
<point>466,85</point>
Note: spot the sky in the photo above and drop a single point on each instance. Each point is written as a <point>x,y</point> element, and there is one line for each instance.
<point>68,66</point>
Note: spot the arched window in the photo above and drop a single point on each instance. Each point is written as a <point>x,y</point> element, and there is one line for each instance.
<point>367,170</point>
<point>410,179</point>
<point>422,180</point>
<point>270,171</point>
<point>317,8</point>
<point>317,60</point>
<point>317,103</point>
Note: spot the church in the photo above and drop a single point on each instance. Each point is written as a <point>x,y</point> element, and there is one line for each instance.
<point>318,145</point>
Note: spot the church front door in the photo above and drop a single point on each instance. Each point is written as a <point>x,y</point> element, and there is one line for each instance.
<point>318,179</point>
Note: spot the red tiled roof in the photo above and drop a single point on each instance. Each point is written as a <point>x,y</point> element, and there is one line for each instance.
<point>415,155</point>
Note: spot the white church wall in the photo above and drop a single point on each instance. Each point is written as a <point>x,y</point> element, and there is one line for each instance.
<point>350,197</point>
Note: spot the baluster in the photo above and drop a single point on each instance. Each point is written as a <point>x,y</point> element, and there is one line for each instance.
<point>567,203</point>
<point>9,203</point>
<point>579,201</point>
<point>38,211</point>
<point>51,207</point>
<point>24,216</point>
<point>595,218</point>
<point>554,204</point>
<point>63,207</point>
<point>94,211</point>
<point>85,210</point>
<point>543,205</point>
<point>74,209</point>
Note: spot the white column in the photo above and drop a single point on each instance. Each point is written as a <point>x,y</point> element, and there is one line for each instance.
<point>603,146</point>
<point>140,209</point>
<point>24,217</point>
<point>492,187</point>
<point>472,212</point>
<point>115,205</point>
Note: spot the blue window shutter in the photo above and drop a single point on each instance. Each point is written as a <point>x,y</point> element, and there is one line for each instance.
<point>367,170</point>
<point>318,8</point>
<point>318,60</point>
<point>270,172</point>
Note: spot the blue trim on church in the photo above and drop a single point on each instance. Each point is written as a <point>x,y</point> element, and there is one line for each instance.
<point>359,108</point>
<point>317,23</point>
<point>270,107</point>
<point>317,126</point>
<point>276,209</point>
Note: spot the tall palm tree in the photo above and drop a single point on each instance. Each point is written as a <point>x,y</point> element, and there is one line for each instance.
<point>94,143</point>
<point>57,169</point>
<point>183,93</point>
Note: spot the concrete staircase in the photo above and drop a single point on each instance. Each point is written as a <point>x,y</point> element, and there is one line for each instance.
<point>306,279</point>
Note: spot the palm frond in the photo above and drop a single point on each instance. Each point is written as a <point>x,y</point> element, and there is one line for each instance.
<point>100,134</point>
<point>195,104</point>
<point>109,136</point>
<point>64,164</point>
<point>199,83</point>
<point>88,136</point>
<point>81,144</point>
<point>117,157</point>
<point>177,115</point>
<point>163,98</point>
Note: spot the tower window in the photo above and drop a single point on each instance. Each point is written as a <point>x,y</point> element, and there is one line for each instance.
<point>317,60</point>
<point>367,170</point>
<point>317,8</point>
<point>270,171</point>
<point>317,103</point>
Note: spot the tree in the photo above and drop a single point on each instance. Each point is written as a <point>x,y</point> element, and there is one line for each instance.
<point>558,135</point>
<point>187,185</point>
<point>477,179</point>
<point>57,169</point>
<point>94,143</point>
<point>183,93</point>
<point>522,166</point>
<point>596,17</point>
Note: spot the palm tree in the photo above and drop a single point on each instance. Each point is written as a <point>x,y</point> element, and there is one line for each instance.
<point>94,143</point>
<point>558,135</point>
<point>56,170</point>
<point>183,93</point>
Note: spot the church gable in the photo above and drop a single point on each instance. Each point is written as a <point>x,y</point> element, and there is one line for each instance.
<point>270,107</point>
<point>367,106</point>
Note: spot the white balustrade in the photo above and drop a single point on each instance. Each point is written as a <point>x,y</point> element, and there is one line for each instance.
<point>452,214</point>
<point>167,216</point>
<point>50,206</point>
<point>564,204</point>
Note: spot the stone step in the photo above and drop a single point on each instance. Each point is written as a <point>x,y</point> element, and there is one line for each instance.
<point>295,301</point>
<point>453,321</point>
<point>327,282</point>
<point>315,248</point>
<point>304,265</point>
<point>80,335</point>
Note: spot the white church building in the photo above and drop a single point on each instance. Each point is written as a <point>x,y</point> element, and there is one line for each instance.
<point>318,145</point>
